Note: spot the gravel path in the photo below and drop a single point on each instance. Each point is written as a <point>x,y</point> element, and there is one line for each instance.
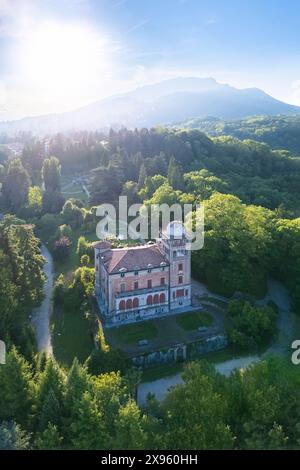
<point>41,315</point>
<point>161,387</point>
<point>288,321</point>
<point>158,387</point>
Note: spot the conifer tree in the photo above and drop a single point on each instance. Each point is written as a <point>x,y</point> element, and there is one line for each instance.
<point>16,390</point>
<point>51,412</point>
<point>53,380</point>
<point>175,174</point>
<point>87,429</point>
<point>13,437</point>
<point>51,174</point>
<point>49,439</point>
<point>130,434</point>
<point>142,176</point>
<point>78,382</point>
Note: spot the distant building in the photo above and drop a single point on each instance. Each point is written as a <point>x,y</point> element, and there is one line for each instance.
<point>144,281</point>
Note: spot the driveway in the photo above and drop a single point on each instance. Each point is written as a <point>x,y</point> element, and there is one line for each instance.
<point>41,315</point>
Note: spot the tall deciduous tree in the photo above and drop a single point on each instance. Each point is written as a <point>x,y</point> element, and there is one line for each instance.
<point>196,414</point>
<point>51,174</point>
<point>15,186</point>
<point>52,197</point>
<point>35,199</point>
<point>237,248</point>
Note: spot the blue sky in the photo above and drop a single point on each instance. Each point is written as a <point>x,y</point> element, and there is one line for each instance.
<point>246,43</point>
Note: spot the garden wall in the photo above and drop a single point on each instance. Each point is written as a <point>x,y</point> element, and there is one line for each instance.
<point>181,352</point>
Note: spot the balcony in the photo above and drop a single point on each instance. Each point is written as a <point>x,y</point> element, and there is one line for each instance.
<point>135,292</point>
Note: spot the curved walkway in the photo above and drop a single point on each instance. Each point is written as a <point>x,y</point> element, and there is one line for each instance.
<point>41,315</point>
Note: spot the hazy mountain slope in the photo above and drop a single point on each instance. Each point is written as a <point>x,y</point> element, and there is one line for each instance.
<point>165,102</point>
<point>278,131</point>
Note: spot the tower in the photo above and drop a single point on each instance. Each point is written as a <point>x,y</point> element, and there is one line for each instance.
<point>174,243</point>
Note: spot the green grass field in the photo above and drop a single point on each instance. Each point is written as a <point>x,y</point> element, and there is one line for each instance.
<point>193,320</point>
<point>72,189</point>
<point>70,337</point>
<point>131,334</point>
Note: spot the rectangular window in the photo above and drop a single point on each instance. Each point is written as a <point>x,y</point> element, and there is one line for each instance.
<point>180,293</point>
<point>186,292</point>
<point>136,273</point>
<point>122,287</point>
<point>180,279</point>
<point>180,267</point>
<point>122,274</point>
<point>149,283</point>
<point>136,285</point>
<point>162,281</point>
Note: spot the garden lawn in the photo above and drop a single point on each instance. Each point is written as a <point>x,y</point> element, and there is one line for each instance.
<point>131,334</point>
<point>193,320</point>
<point>71,337</point>
<point>73,189</point>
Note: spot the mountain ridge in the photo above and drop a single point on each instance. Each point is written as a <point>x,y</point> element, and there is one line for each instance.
<point>161,103</point>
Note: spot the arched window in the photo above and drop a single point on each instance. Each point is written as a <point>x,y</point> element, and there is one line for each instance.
<point>156,299</point>
<point>149,300</point>
<point>135,303</point>
<point>128,304</point>
<point>122,305</point>
<point>162,298</point>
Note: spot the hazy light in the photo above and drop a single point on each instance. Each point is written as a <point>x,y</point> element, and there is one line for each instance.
<point>63,61</point>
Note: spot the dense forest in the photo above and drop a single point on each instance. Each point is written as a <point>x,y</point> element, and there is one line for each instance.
<point>279,132</point>
<point>252,231</point>
<point>250,193</point>
<point>43,406</point>
<point>249,169</point>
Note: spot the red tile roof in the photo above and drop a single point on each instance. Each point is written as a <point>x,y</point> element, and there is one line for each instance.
<point>132,258</point>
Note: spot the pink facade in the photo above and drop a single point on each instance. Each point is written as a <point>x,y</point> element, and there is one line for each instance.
<point>142,282</point>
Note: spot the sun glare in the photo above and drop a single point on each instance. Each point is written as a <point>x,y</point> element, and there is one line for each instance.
<point>63,60</point>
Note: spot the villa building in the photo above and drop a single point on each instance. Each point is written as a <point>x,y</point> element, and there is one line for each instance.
<point>146,281</point>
